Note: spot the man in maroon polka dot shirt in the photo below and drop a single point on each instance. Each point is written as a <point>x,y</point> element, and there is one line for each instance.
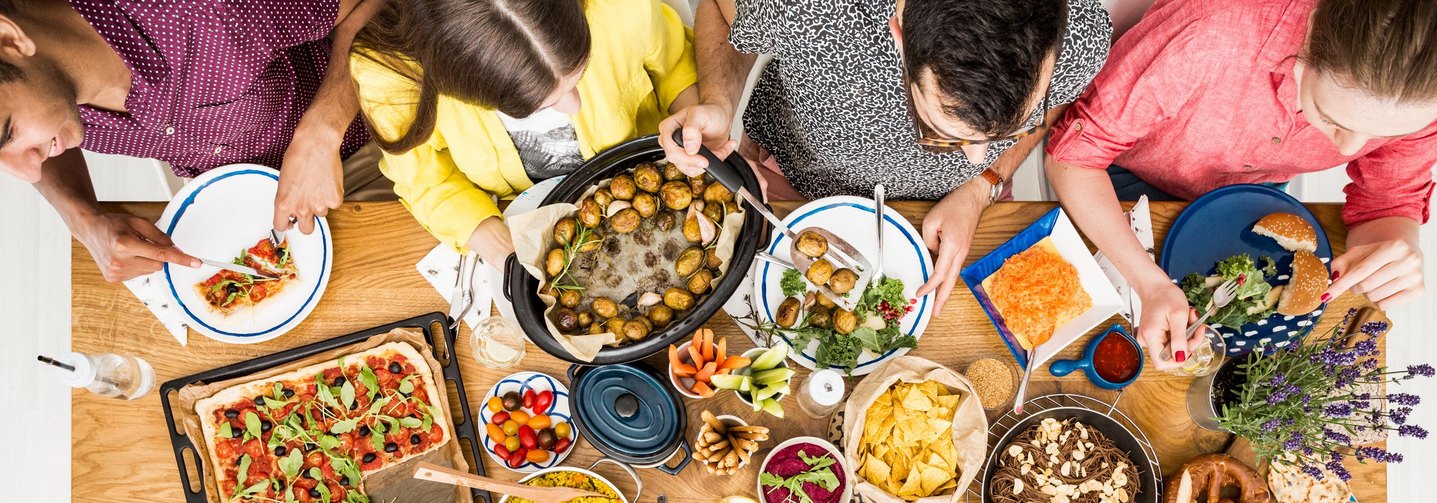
<point>196,83</point>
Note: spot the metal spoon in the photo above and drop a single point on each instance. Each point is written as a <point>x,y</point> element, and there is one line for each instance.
<point>842,301</point>
<point>1023,386</point>
<point>878,210</point>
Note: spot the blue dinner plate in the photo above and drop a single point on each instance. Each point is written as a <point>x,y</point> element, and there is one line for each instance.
<point>1218,225</point>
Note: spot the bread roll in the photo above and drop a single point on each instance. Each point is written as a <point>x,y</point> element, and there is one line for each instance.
<point>1304,292</point>
<point>1289,230</point>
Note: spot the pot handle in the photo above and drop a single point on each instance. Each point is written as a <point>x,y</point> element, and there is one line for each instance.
<point>639,487</point>
<point>573,372</point>
<point>688,456</point>
<point>721,171</point>
<point>509,266</point>
<point>1061,368</point>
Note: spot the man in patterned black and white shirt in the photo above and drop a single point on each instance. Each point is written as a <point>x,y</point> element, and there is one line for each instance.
<point>922,96</point>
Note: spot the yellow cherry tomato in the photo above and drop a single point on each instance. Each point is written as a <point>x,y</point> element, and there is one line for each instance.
<point>538,456</point>
<point>562,430</point>
<point>495,404</point>
<point>520,417</point>
<point>512,443</point>
<point>511,428</point>
<point>539,422</point>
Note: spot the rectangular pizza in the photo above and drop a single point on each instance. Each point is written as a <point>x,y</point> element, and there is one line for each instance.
<point>228,291</point>
<point>313,434</point>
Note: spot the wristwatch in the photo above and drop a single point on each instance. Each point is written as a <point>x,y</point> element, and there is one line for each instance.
<point>996,182</point>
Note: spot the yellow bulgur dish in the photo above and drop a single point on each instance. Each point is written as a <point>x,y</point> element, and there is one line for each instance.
<point>574,480</point>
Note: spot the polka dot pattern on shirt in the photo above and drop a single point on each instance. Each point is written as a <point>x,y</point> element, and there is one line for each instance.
<point>214,82</point>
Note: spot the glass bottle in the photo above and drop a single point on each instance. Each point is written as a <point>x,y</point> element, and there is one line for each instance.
<point>107,374</point>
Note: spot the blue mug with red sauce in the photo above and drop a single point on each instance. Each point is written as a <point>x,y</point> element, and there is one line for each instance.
<point>1112,360</point>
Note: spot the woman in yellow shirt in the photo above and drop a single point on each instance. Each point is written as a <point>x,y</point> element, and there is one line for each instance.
<point>473,100</point>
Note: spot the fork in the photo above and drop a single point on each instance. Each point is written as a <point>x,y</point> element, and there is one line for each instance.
<point>1221,297</point>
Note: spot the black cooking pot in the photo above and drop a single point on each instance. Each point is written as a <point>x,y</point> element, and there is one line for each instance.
<point>521,288</point>
<point>1148,479</point>
<point>630,414</point>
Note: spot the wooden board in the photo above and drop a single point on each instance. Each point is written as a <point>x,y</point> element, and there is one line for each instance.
<point>121,452</point>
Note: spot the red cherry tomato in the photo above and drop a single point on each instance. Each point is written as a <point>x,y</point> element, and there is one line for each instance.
<point>562,445</point>
<point>527,437</point>
<point>500,417</point>
<point>516,459</point>
<point>528,399</point>
<point>501,451</point>
<point>542,401</point>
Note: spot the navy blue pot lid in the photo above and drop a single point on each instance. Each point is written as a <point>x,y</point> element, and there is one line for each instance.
<point>627,413</point>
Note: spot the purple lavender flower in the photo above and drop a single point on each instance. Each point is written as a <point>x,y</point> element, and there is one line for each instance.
<point>1335,466</point>
<point>1340,409</point>
<point>1374,328</point>
<point>1277,397</point>
<point>1378,455</point>
<point>1407,399</point>
<point>1423,370</point>
<point>1293,443</point>
<point>1399,415</point>
<point>1369,364</point>
<point>1338,437</point>
<point>1411,430</point>
<point>1278,379</point>
<point>1271,425</point>
<point>1312,471</point>
<point>1366,347</point>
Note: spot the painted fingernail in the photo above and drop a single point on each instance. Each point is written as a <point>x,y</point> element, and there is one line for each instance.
<point>1181,356</point>
<point>1336,274</point>
<point>1326,297</point>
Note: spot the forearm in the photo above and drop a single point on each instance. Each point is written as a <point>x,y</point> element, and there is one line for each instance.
<point>722,69</point>
<point>66,184</point>
<point>1384,229</point>
<point>1088,198</point>
<point>685,99</point>
<point>335,103</point>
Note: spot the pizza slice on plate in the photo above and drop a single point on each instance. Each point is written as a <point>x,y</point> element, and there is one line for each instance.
<point>228,291</point>
<point>314,434</point>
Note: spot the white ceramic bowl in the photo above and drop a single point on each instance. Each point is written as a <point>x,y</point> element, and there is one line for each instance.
<point>752,354</point>
<point>592,475</point>
<point>682,384</point>
<point>845,491</point>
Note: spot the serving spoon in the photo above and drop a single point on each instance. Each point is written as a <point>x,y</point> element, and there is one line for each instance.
<point>435,473</point>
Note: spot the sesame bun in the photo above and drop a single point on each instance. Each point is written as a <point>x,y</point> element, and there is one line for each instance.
<point>1290,231</point>
<point>1303,293</point>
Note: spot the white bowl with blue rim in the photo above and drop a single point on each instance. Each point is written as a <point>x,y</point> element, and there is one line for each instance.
<point>558,412</point>
<point>217,216</point>
<point>905,257</point>
<point>1054,224</point>
<point>1218,225</point>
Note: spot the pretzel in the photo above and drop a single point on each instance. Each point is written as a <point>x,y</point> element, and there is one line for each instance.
<point>1205,478</point>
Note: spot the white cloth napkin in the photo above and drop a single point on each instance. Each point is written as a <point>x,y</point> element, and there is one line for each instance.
<point>155,295</point>
<point>441,266</point>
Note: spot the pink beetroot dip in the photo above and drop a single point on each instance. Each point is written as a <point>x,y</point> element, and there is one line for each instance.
<point>786,463</point>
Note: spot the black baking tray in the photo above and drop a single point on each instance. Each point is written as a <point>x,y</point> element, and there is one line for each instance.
<point>463,426</point>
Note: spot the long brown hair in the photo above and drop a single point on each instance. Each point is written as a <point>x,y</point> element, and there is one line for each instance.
<point>1387,48</point>
<point>508,55</point>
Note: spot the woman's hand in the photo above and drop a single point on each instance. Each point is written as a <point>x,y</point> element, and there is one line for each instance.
<point>1383,262</point>
<point>492,242</point>
<point>1165,318</point>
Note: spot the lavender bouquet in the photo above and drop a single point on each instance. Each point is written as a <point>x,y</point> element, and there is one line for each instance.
<point>1311,400</point>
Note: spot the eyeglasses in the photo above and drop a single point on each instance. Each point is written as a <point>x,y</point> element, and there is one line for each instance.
<point>932,142</point>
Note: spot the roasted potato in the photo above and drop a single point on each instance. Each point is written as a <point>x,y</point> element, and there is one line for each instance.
<point>648,177</point>
<point>596,329</point>
<point>672,173</point>
<point>604,307</point>
<point>586,319</point>
<point>812,244</point>
<point>570,298</point>
<point>625,221</point>
<point>595,239</point>
<point>565,319</point>
<point>554,262</point>
<point>787,315</point>
<point>819,272</point>
<point>712,260</point>
<point>820,317</point>
<point>717,193</point>
<point>615,326</point>
<point>565,230</point>
<point>699,282</point>
<point>623,187</point>
<point>842,281</point>
<point>548,289</point>
<point>844,321</point>
<point>824,301</point>
<point>697,184</point>
<point>661,315</point>
<point>604,197</point>
<point>646,204</point>
<point>666,220</point>
<point>692,232</point>
<point>715,212</point>
<point>692,259</point>
<point>679,299</point>
<point>676,195</point>
<point>636,329</point>
<point>591,213</point>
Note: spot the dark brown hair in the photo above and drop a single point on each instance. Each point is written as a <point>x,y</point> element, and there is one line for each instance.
<point>1387,48</point>
<point>508,55</point>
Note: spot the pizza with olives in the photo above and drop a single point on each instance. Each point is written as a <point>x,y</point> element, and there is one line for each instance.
<point>313,434</point>
<point>228,291</point>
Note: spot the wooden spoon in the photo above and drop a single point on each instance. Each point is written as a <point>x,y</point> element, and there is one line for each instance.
<point>436,473</point>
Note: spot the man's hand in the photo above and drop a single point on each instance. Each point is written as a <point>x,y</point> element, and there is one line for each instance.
<point>311,183</point>
<point>492,242</point>
<point>704,123</point>
<point>1383,261</point>
<point>948,231</point>
<point>127,246</point>
<point>1166,317</point>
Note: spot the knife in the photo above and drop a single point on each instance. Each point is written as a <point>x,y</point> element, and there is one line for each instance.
<point>238,268</point>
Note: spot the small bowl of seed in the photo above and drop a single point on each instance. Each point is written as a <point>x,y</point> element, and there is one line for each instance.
<point>994,380</point>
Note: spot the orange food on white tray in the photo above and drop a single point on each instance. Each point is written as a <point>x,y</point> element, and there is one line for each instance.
<point>1036,292</point>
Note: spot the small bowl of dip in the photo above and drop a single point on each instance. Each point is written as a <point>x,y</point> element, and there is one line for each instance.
<point>1112,360</point>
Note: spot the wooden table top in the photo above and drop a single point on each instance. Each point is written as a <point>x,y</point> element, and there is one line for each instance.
<point>121,451</point>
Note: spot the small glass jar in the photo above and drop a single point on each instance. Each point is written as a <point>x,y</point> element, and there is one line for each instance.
<point>496,343</point>
<point>821,393</point>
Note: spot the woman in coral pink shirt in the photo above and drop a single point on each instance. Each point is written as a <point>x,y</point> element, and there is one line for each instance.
<point>1206,93</point>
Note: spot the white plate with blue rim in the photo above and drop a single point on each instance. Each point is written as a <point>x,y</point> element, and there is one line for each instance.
<point>852,218</point>
<point>217,216</point>
<point>558,412</point>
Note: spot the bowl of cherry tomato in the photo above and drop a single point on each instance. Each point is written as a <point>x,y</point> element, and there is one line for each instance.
<point>527,425</point>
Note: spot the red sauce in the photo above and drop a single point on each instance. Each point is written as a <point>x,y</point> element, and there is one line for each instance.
<point>1116,358</point>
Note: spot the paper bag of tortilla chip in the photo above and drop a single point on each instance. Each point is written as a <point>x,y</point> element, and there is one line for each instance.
<point>914,430</point>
